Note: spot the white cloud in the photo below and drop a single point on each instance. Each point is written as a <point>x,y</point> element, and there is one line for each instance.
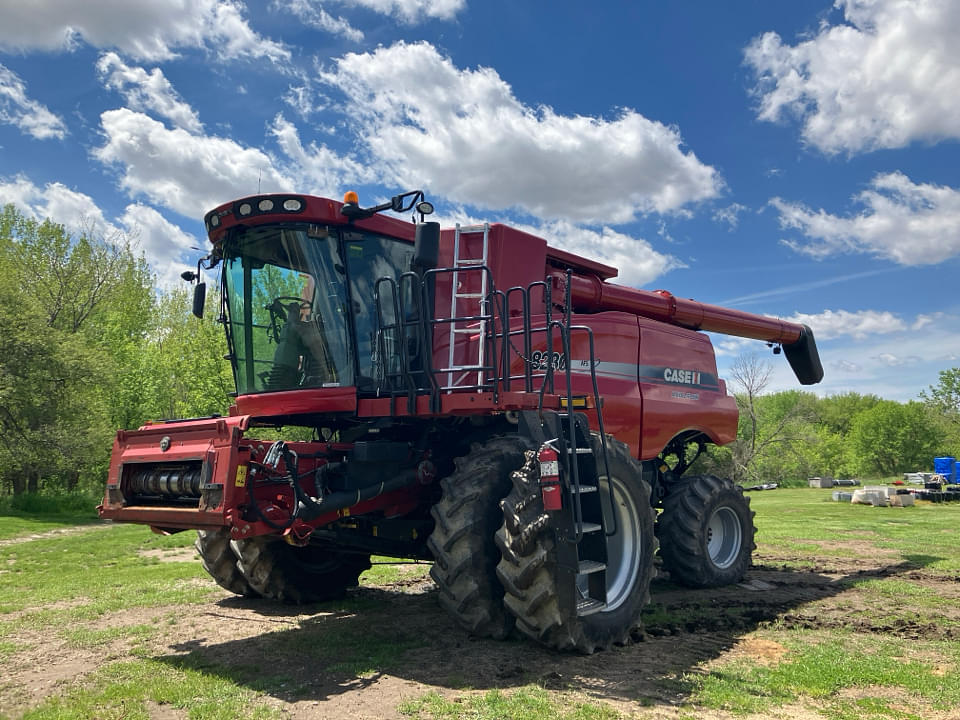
<point>909,223</point>
<point>636,260</point>
<point>164,245</point>
<point>30,116</point>
<point>303,100</point>
<point>318,167</point>
<point>891,360</point>
<point>56,201</point>
<point>463,134</point>
<point>845,366</point>
<point>836,323</point>
<point>150,30</point>
<point>412,11</point>
<point>147,91</point>
<point>887,76</point>
<point>729,215</point>
<point>923,321</point>
<point>895,365</point>
<point>190,174</point>
<point>313,13</point>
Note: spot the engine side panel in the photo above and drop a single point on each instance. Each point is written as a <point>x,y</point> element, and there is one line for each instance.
<point>680,388</point>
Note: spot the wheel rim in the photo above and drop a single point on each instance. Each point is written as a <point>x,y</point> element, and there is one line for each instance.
<point>724,537</point>
<point>624,547</point>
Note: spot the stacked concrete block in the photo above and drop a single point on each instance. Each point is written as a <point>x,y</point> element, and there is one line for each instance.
<point>865,496</point>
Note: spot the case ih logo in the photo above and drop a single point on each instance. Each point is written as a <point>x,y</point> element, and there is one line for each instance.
<point>684,377</point>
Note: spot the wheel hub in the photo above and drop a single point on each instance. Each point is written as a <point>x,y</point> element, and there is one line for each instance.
<point>724,537</point>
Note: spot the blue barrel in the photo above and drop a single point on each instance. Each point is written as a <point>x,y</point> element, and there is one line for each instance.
<point>946,466</point>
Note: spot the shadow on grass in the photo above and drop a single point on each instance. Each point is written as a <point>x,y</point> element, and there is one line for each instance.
<point>352,644</point>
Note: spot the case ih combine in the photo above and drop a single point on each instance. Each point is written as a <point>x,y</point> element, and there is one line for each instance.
<point>475,398</point>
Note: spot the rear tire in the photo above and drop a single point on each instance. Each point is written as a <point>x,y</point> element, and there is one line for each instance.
<point>528,569</point>
<point>466,520</point>
<point>299,575</point>
<point>220,562</point>
<point>706,532</point>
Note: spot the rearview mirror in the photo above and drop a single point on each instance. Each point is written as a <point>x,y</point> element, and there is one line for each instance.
<point>199,299</point>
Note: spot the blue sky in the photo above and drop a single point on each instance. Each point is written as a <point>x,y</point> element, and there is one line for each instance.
<point>793,159</point>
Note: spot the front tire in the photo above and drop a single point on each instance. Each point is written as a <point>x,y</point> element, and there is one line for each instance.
<point>220,561</point>
<point>466,520</point>
<point>706,532</point>
<point>529,570</point>
<point>286,573</point>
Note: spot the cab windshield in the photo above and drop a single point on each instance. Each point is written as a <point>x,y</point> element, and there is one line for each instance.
<point>300,308</point>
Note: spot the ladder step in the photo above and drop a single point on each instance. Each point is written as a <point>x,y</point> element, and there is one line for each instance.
<point>591,527</point>
<point>475,331</point>
<point>468,368</point>
<point>589,606</point>
<point>590,566</point>
<point>472,228</point>
<point>468,261</point>
<point>582,451</point>
<point>583,489</point>
<point>472,296</point>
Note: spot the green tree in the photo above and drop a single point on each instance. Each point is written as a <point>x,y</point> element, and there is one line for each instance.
<point>182,370</point>
<point>72,312</point>
<point>891,438</point>
<point>943,400</point>
<point>773,430</point>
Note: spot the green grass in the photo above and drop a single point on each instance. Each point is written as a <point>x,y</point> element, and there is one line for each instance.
<point>794,518</point>
<point>62,587</point>
<point>527,703</point>
<point>95,637</point>
<point>91,573</point>
<point>820,665</point>
<point>386,570</point>
<point>34,514</point>
<point>122,690</point>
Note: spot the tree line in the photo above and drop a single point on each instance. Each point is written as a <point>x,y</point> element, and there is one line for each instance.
<point>787,437</point>
<point>88,345</point>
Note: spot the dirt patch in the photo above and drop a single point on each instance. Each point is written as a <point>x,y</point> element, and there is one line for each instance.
<point>159,711</point>
<point>757,650</point>
<point>59,532</point>
<point>170,554</point>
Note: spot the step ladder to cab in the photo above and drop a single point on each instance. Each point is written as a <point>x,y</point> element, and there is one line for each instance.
<point>471,266</point>
<point>585,543</point>
<point>583,524</point>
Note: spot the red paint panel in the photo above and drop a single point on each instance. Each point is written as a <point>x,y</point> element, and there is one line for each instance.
<point>290,402</point>
<point>671,408</point>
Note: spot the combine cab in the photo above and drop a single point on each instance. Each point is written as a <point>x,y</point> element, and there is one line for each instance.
<point>475,398</point>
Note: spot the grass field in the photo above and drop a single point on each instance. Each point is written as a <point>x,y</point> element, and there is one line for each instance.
<point>851,612</point>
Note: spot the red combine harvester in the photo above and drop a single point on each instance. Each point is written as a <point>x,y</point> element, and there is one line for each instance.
<point>475,398</point>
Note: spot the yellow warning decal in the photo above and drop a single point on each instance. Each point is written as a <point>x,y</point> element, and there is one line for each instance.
<point>241,476</point>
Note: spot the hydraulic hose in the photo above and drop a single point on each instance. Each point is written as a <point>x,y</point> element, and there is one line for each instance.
<point>346,498</point>
<point>308,508</point>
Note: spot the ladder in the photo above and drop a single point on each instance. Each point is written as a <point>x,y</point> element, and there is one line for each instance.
<point>480,297</point>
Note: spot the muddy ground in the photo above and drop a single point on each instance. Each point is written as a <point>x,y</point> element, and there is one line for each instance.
<point>322,654</point>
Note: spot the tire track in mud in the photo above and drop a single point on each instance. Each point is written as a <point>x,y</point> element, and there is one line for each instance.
<point>808,599</point>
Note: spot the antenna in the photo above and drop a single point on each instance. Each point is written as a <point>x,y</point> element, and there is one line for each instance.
<point>259,175</point>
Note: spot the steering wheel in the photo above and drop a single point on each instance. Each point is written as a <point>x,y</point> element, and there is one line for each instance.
<point>279,313</point>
